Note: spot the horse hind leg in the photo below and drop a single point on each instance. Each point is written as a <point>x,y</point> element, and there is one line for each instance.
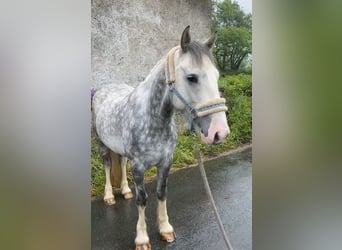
<point>125,190</point>
<point>118,174</point>
<point>115,171</point>
<point>108,198</point>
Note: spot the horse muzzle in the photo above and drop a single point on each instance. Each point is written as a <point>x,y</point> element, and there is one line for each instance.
<point>214,128</point>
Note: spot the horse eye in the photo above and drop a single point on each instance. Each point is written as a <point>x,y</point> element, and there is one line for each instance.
<point>192,78</point>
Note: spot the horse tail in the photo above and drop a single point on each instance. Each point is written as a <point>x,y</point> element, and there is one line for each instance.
<point>115,170</point>
<point>92,93</point>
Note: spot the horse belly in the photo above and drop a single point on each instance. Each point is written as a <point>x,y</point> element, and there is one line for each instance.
<point>114,143</point>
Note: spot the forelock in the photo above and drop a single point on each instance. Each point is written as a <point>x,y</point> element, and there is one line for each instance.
<point>197,50</point>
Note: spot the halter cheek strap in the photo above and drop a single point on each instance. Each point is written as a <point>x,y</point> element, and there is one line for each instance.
<point>200,110</point>
<point>170,66</point>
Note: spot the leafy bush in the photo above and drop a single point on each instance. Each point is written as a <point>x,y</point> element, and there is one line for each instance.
<point>238,93</point>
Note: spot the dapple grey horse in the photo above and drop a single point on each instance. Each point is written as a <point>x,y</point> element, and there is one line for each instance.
<point>138,124</point>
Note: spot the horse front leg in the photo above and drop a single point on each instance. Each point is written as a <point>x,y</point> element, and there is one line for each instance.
<point>125,190</point>
<point>165,229</point>
<point>142,241</point>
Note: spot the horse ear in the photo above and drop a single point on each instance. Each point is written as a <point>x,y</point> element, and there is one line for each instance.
<point>185,40</point>
<point>211,40</point>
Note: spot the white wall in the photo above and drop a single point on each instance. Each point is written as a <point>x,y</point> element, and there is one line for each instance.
<point>130,36</point>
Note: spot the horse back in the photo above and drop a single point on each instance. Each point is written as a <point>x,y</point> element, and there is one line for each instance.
<point>111,93</point>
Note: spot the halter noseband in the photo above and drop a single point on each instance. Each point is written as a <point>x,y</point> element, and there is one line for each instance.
<point>200,110</point>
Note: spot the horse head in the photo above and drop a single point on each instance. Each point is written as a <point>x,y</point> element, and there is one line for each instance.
<point>196,86</point>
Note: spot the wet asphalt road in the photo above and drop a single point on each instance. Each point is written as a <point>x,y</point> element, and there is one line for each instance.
<point>189,210</point>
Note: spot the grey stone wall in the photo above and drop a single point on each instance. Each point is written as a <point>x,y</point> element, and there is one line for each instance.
<point>130,36</point>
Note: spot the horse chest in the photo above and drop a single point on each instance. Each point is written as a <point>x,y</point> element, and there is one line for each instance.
<point>152,147</point>
<point>156,154</point>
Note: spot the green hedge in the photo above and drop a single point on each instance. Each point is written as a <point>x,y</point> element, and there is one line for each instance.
<point>237,90</point>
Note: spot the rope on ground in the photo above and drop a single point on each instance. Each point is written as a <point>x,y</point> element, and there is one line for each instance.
<point>208,191</point>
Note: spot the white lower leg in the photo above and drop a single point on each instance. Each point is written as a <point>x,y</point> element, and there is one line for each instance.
<point>108,187</point>
<point>124,183</point>
<point>142,236</point>
<point>163,218</point>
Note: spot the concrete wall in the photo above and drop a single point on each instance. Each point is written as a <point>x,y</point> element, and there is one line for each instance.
<point>130,36</point>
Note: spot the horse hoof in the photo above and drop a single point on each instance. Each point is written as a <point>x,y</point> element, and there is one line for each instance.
<point>109,201</point>
<point>128,195</point>
<point>168,237</point>
<point>145,246</point>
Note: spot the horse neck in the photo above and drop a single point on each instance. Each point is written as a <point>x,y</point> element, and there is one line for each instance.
<point>158,106</point>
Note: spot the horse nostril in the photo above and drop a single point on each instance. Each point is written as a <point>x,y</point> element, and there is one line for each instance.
<point>216,138</point>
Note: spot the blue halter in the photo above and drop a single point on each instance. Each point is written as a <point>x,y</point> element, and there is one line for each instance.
<point>191,109</point>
